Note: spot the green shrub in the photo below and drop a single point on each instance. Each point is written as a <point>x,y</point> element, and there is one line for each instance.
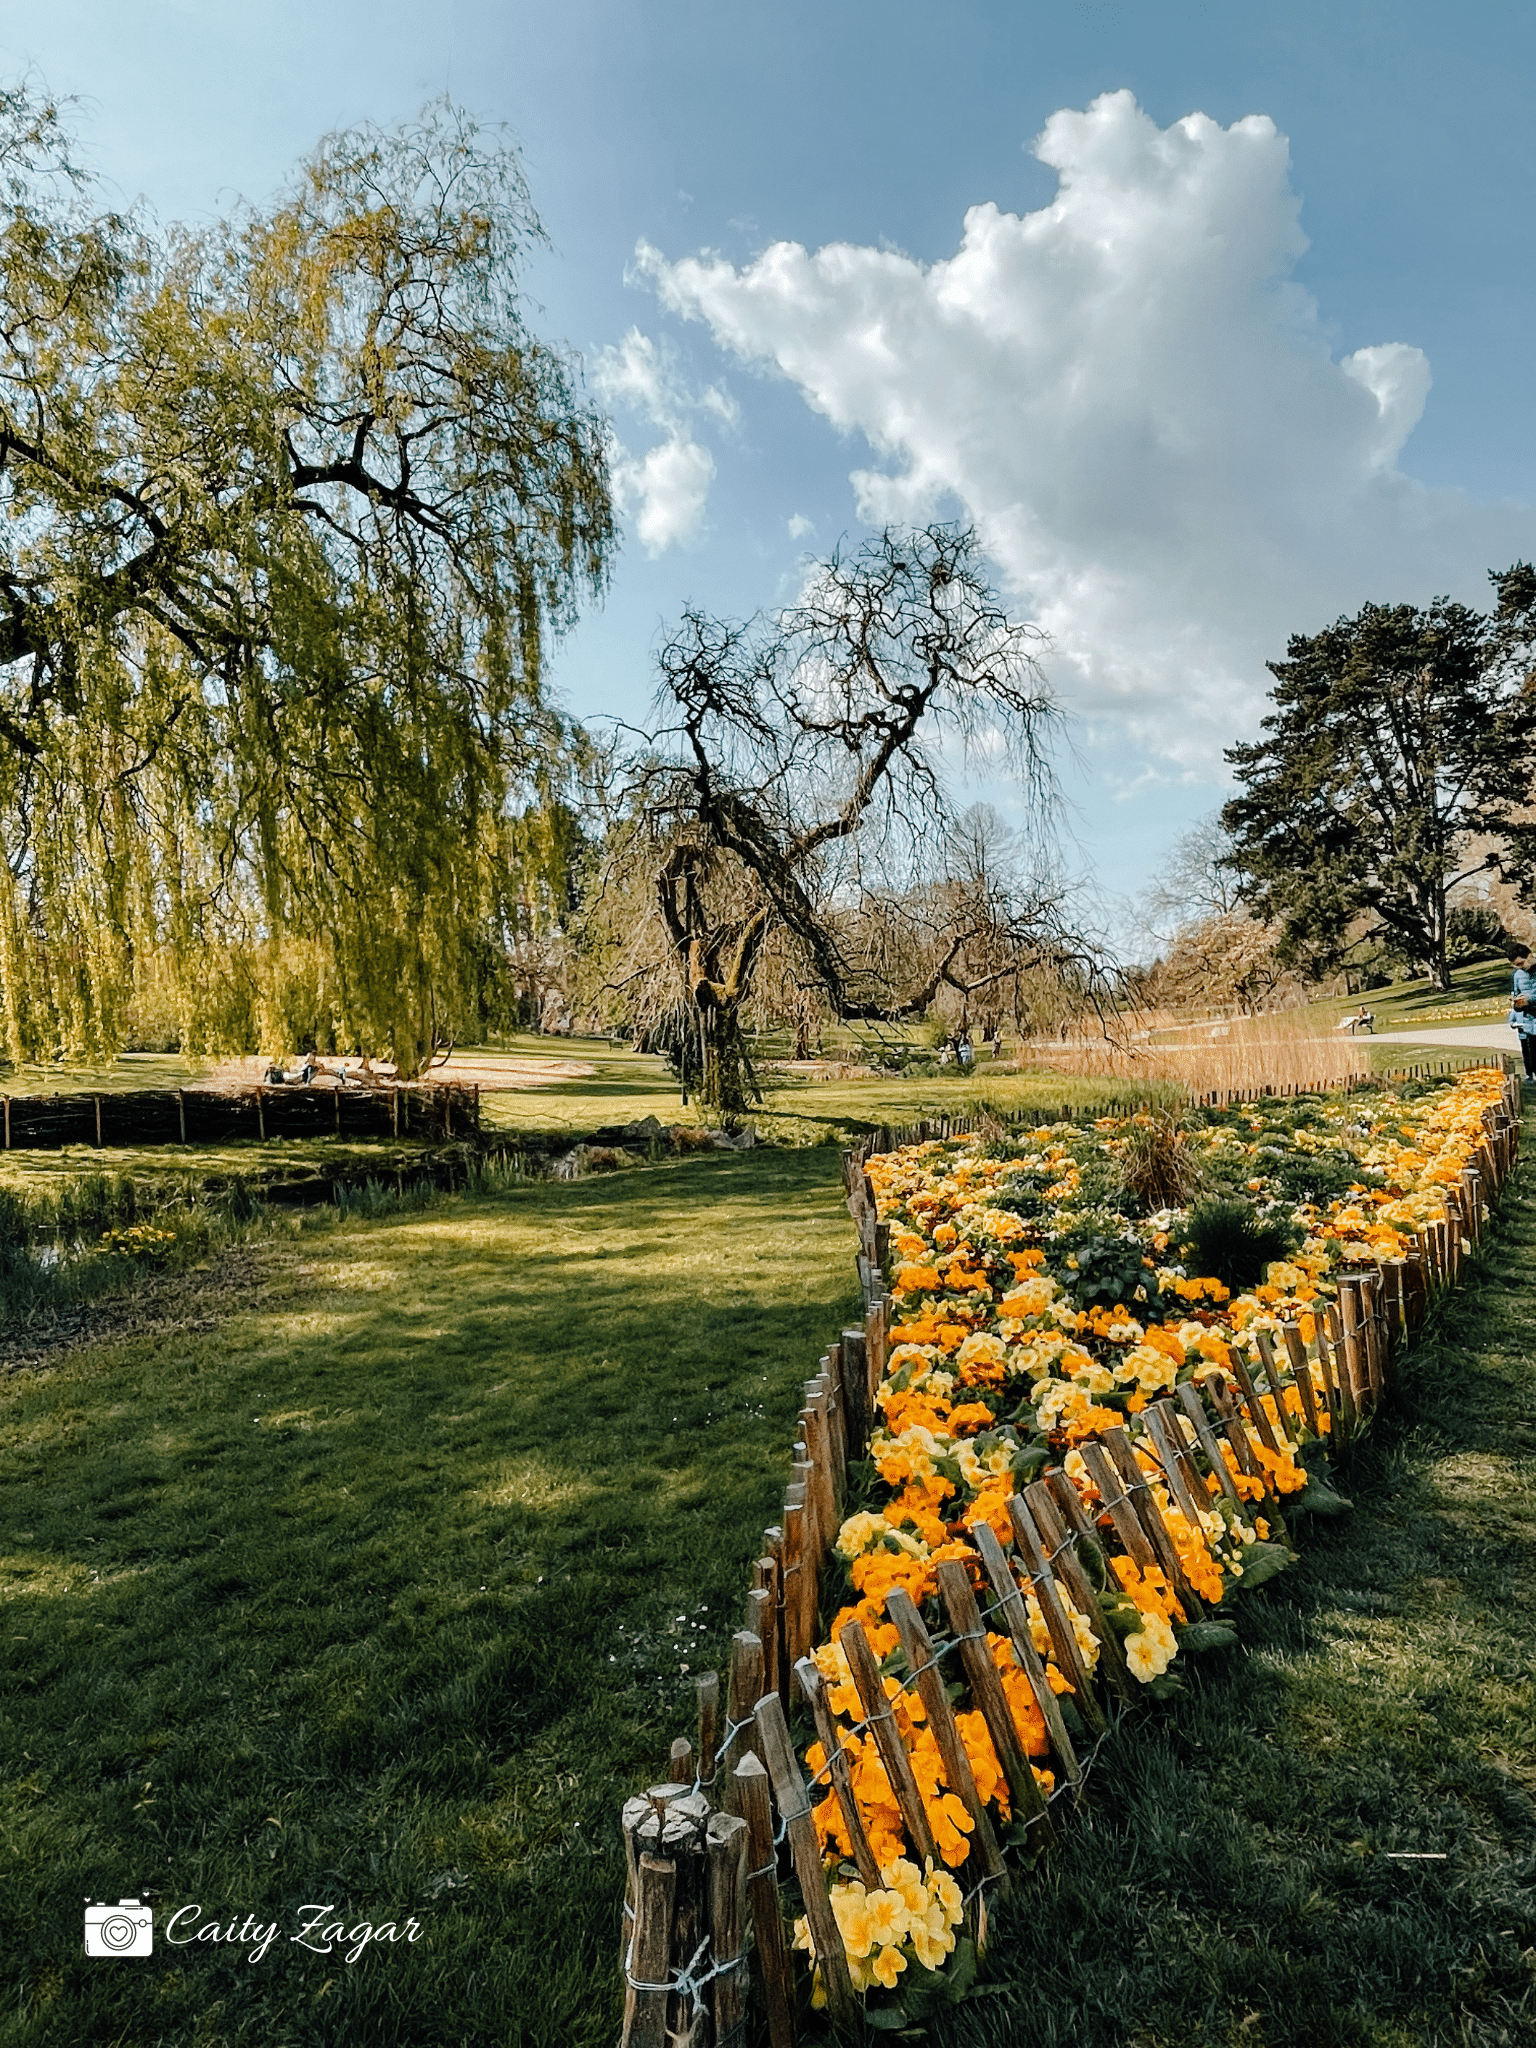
<point>1227,1239</point>
<point>1315,1176</point>
<point>1102,1270</point>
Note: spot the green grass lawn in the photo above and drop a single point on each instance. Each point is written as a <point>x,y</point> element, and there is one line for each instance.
<point>380,1596</point>
<point>796,1110</point>
<point>1232,1880</point>
<point>213,1165</point>
<point>1479,994</point>
<point>383,1597</point>
<point>109,1077</point>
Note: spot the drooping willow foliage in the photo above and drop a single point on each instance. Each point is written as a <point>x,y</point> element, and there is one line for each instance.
<point>288,510</point>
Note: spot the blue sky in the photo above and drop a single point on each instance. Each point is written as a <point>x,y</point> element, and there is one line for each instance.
<point>1241,376</point>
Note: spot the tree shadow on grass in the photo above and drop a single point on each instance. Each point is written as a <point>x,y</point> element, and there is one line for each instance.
<point>388,1597</point>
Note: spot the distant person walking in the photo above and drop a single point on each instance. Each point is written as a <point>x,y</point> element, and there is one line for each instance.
<point>1522,1008</point>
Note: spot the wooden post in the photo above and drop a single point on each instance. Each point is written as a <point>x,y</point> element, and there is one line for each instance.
<point>1250,1392</point>
<point>1183,1480</point>
<point>1340,1407</point>
<point>749,1797</point>
<point>1351,1343</point>
<point>709,1728</point>
<point>743,1692</point>
<point>1139,1496</point>
<point>1069,1661</point>
<point>813,1541</point>
<point>1015,1615</point>
<point>987,1691</point>
<point>1274,1379</point>
<point>1301,1372</point>
<point>1070,1503</point>
<point>1190,1401</point>
<point>876,1328</point>
<point>726,1849</point>
<point>97,1100</point>
<point>181,1112</point>
<point>856,1390</point>
<point>791,1591</point>
<point>1127,1523</point>
<point>261,1112</point>
<point>650,1955</point>
<point>839,1776</point>
<point>7,1123</point>
<point>763,1620</point>
<point>928,1681</point>
<point>881,1717</point>
<point>777,1677</point>
<point>1354,1316</point>
<point>1061,1556</point>
<point>823,1459</point>
<point>633,1817</point>
<point>1242,1451</point>
<point>795,1809</point>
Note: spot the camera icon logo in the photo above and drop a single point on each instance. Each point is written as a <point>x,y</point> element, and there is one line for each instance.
<point>126,1929</point>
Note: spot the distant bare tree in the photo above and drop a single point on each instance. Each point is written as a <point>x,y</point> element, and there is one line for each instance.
<point>1198,879</point>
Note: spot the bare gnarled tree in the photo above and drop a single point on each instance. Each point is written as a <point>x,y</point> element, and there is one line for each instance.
<point>796,805</point>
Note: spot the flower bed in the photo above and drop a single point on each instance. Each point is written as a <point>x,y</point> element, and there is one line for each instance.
<point>1038,1309</point>
<point>1100,1375</point>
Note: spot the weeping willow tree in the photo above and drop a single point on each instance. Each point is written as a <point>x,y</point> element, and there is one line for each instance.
<point>290,510</point>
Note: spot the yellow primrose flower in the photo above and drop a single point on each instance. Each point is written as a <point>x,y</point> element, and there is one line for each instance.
<point>931,1944</point>
<point>888,1966</point>
<point>888,1916</point>
<point>906,1880</point>
<point>855,1922</point>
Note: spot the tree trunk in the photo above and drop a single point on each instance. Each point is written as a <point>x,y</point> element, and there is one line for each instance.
<point>727,1085</point>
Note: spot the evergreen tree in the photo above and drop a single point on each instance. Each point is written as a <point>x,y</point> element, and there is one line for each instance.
<point>1395,766</point>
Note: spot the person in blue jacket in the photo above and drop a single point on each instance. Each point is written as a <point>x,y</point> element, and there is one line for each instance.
<point>1522,1008</point>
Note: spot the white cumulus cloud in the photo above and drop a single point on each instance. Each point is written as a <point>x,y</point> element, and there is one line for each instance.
<point>1140,407</point>
<point>665,490</point>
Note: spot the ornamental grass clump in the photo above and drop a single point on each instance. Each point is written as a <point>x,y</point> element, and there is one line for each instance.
<point>1160,1167</point>
<point>1228,1239</point>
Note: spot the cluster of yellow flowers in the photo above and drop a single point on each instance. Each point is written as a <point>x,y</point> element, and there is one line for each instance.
<point>139,1241</point>
<point>993,1367</point>
<point>912,1918</point>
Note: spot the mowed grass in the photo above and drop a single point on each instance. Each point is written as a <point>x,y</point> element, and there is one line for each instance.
<point>626,1086</point>
<point>384,1596</point>
<point>212,1166</point>
<point>1331,1843</point>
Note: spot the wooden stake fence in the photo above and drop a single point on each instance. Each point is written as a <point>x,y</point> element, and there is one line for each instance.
<point>704,1859</point>
<point>432,1110</point>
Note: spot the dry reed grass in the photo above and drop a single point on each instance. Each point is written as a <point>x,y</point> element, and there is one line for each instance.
<point>1250,1053</point>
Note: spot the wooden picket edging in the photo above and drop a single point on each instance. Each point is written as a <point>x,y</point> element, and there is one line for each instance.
<point>705,1849</point>
<point>433,1110</point>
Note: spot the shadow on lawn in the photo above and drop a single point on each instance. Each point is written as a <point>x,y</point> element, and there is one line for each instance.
<point>385,1598</point>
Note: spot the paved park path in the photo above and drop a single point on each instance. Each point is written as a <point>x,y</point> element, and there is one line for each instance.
<point>1494,1035</point>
